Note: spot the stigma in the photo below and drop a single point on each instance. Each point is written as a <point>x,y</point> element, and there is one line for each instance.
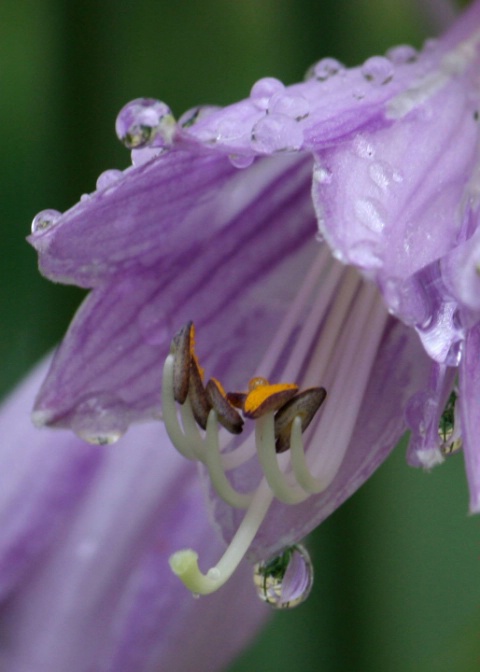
<point>202,418</point>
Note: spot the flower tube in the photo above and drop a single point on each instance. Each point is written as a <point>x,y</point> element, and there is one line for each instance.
<point>314,234</point>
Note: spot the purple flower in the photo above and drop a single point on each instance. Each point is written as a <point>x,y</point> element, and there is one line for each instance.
<point>324,234</point>
<point>86,536</point>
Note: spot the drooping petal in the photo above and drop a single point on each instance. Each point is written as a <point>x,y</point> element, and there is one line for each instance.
<point>84,556</point>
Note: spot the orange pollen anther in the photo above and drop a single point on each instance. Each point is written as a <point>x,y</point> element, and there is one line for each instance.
<point>265,398</point>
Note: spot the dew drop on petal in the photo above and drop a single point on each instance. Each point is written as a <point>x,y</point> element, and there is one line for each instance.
<point>277,133</point>
<point>264,89</point>
<point>365,254</point>
<point>44,220</point>
<point>402,54</point>
<point>145,121</point>
<point>100,419</point>
<point>107,178</point>
<point>296,107</point>
<point>322,175</point>
<point>285,581</point>
<point>370,214</point>
<point>85,197</point>
<point>241,160</point>
<point>324,69</point>
<point>195,114</point>
<point>378,70</point>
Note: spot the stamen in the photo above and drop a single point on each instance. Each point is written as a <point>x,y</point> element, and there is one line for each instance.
<point>181,347</point>
<point>198,398</point>
<point>331,335</point>
<point>267,456</point>
<point>227,416</point>
<point>263,398</point>
<point>304,406</point>
<point>216,469</point>
<point>169,411</point>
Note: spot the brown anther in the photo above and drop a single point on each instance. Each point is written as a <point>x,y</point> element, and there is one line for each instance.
<point>226,414</point>
<point>304,405</point>
<point>237,399</point>
<point>181,348</point>
<point>267,398</point>
<point>201,406</point>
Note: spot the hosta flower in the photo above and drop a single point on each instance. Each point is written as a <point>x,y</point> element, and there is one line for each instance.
<point>322,235</point>
<point>86,536</point>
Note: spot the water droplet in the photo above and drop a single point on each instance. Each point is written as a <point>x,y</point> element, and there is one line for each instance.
<point>100,419</point>
<point>448,431</point>
<point>154,328</point>
<point>319,237</point>
<point>285,581</point>
<point>371,214</point>
<point>402,54</point>
<point>145,121</point>
<point>324,69</point>
<point>378,70</point>
<point>365,254</point>
<point>107,178</point>
<point>195,114</point>
<point>363,148</point>
<point>322,175</point>
<point>241,160</point>
<point>277,133</point>
<point>85,197</point>
<point>454,354</point>
<point>296,107</point>
<point>264,89</point>
<point>44,220</point>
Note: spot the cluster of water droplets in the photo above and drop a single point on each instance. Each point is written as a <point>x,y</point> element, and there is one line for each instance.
<point>285,581</point>
<point>279,130</point>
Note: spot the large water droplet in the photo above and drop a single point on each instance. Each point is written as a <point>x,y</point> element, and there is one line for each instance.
<point>285,581</point>
<point>100,419</point>
<point>296,107</point>
<point>277,133</point>
<point>264,89</point>
<point>324,69</point>
<point>402,54</point>
<point>107,178</point>
<point>378,70</point>
<point>195,114</point>
<point>145,121</point>
<point>44,220</point>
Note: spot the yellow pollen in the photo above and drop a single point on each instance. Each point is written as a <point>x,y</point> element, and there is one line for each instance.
<point>266,398</point>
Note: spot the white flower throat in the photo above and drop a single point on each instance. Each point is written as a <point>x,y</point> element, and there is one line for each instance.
<point>341,320</point>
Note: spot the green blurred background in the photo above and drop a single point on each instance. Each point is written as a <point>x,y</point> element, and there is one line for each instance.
<point>397,568</point>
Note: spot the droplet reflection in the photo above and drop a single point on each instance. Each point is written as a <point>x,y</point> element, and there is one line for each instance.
<point>285,581</point>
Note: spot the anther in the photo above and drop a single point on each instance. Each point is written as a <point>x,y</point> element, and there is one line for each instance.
<point>265,398</point>
<point>182,348</point>
<point>226,415</point>
<point>304,405</point>
<point>198,398</point>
